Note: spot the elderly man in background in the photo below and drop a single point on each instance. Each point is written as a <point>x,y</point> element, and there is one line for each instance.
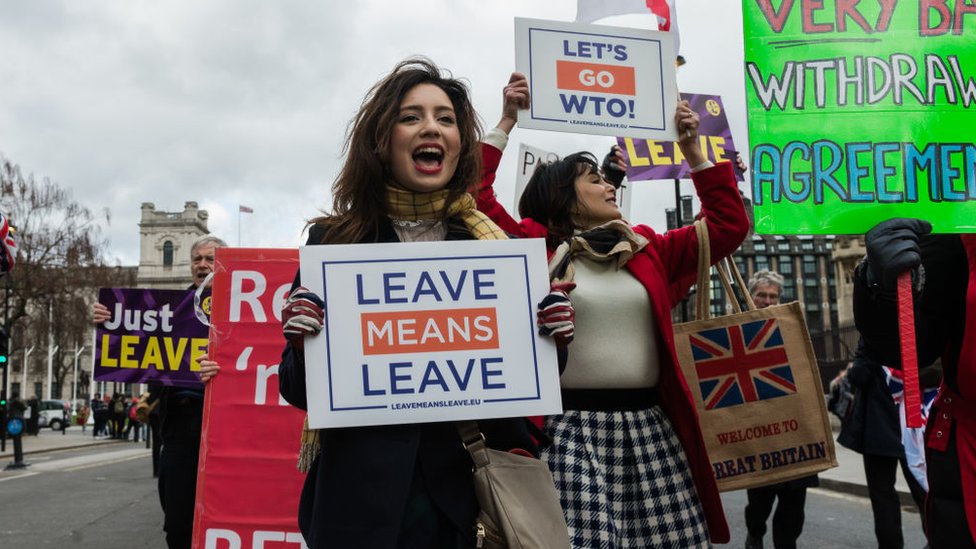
<point>181,419</point>
<point>766,287</point>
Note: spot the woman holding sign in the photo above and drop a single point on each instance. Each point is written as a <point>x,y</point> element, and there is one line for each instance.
<point>412,153</point>
<point>628,456</point>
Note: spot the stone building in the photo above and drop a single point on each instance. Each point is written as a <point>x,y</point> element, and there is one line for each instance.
<point>847,251</point>
<point>164,245</point>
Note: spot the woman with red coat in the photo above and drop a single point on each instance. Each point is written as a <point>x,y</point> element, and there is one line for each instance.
<point>628,456</point>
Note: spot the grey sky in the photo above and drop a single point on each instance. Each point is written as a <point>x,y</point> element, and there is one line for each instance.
<point>246,102</point>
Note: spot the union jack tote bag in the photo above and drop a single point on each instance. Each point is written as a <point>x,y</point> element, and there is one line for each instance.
<point>754,379</point>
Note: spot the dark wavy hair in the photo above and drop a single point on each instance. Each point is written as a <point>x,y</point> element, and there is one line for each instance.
<point>359,198</point>
<point>550,195</point>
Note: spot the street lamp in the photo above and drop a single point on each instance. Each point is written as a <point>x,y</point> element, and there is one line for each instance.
<point>23,386</point>
<point>74,374</point>
<point>50,367</point>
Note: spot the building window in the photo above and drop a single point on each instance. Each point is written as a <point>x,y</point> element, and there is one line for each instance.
<point>762,263</point>
<point>168,254</point>
<point>809,265</point>
<point>811,295</point>
<point>759,245</point>
<point>806,245</point>
<point>815,321</point>
<point>785,265</point>
<point>783,245</point>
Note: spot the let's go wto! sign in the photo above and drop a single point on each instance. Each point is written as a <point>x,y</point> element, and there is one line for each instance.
<point>428,331</point>
<point>596,79</point>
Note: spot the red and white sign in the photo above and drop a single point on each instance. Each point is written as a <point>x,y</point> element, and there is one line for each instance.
<point>248,485</point>
<point>597,79</point>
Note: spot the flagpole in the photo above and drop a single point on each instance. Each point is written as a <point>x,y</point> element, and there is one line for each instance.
<point>238,226</point>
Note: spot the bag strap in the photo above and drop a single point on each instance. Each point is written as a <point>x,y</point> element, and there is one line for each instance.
<point>703,294</point>
<point>724,267</point>
<point>473,441</point>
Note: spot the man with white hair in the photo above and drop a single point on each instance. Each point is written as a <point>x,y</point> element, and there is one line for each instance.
<point>766,288</point>
<point>181,418</point>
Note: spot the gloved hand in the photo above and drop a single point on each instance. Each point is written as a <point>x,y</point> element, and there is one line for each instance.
<point>301,315</point>
<point>612,165</point>
<point>556,317</point>
<point>892,247</point>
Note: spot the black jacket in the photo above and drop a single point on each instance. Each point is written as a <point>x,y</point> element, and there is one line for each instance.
<point>356,490</point>
<point>873,426</point>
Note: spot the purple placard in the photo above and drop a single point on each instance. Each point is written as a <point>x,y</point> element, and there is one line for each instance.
<point>151,337</point>
<point>648,159</point>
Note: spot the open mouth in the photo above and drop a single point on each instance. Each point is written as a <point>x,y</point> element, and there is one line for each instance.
<point>428,159</point>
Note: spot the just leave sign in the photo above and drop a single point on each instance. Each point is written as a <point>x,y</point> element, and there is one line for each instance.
<point>430,331</point>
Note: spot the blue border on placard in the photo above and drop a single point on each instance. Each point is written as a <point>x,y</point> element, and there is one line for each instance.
<point>660,50</point>
<point>529,309</point>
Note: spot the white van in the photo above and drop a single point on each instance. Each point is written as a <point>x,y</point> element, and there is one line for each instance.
<point>53,414</point>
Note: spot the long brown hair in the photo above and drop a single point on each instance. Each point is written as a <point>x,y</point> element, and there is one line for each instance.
<point>359,198</point>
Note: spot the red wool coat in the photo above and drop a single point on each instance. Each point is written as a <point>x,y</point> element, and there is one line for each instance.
<point>960,409</point>
<point>669,260</point>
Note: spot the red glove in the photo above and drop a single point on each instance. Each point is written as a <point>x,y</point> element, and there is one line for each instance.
<point>301,315</point>
<point>556,317</point>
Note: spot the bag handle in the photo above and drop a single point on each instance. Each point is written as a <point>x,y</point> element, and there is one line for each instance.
<point>703,295</point>
<point>724,267</point>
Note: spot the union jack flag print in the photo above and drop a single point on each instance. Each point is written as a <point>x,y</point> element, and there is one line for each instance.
<point>742,363</point>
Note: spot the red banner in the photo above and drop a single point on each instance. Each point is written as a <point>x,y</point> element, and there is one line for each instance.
<point>248,485</point>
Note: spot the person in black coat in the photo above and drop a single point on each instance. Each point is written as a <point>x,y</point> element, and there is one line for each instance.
<point>873,429</point>
<point>100,414</point>
<point>765,287</point>
<point>414,142</point>
<point>943,272</point>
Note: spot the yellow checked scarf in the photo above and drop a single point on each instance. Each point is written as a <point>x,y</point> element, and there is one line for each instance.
<point>602,243</point>
<point>412,206</point>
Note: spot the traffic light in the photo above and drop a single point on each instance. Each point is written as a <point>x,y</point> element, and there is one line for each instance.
<point>4,347</point>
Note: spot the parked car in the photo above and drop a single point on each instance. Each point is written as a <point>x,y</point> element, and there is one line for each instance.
<point>53,413</point>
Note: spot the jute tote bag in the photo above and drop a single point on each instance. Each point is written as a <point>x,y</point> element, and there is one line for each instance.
<point>756,386</point>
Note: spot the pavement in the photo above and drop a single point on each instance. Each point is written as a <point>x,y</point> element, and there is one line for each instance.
<point>49,440</point>
<point>847,477</point>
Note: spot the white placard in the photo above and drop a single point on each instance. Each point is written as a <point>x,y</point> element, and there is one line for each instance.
<point>428,331</point>
<point>529,159</point>
<point>597,79</point>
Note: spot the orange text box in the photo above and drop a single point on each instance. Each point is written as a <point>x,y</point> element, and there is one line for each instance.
<point>595,77</point>
<point>429,331</point>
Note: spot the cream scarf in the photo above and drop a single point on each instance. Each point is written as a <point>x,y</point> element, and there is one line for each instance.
<point>614,240</point>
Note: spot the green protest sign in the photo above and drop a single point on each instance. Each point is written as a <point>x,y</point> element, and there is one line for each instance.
<point>860,111</point>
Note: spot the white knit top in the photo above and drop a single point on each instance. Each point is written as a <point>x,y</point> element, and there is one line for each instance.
<point>616,341</point>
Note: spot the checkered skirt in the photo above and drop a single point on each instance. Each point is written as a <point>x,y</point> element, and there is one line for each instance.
<point>624,481</point>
